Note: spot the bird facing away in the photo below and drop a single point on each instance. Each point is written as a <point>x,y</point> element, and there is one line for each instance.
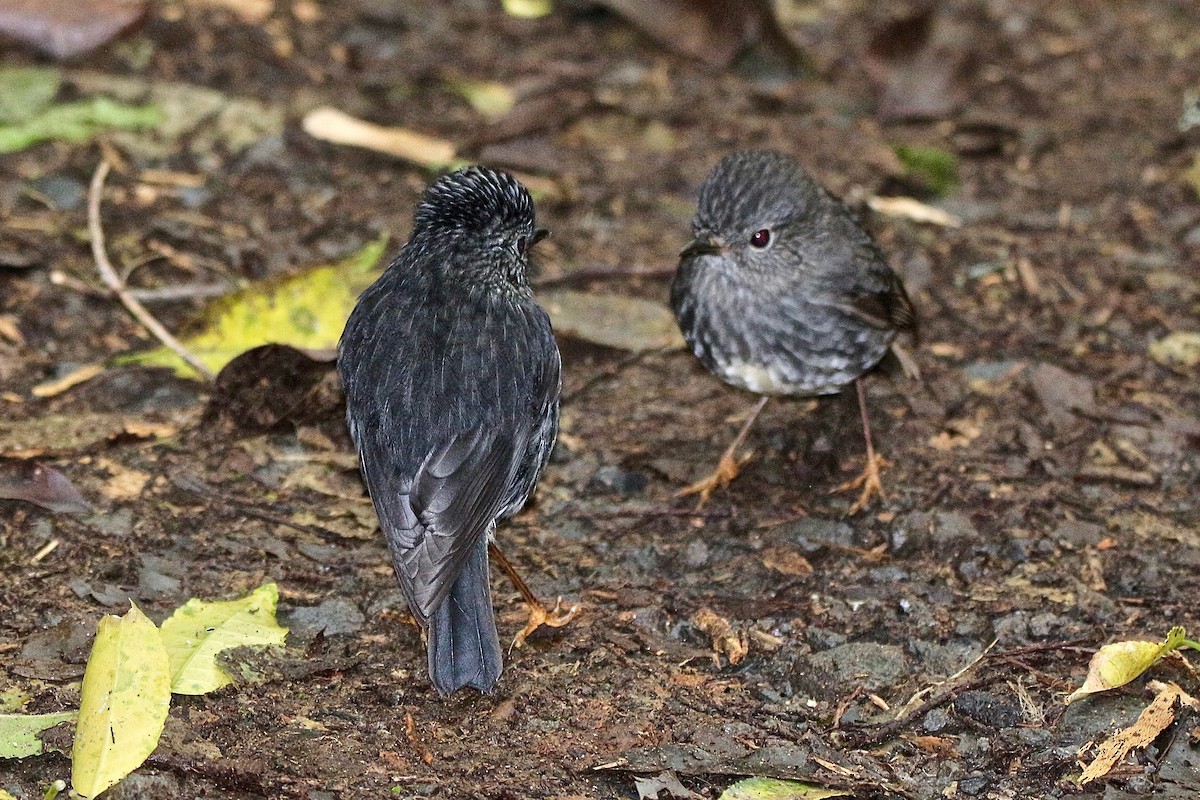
<point>782,293</point>
<point>452,380</point>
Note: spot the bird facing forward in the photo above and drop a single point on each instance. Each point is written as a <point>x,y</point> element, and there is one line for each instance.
<point>452,380</point>
<point>782,293</point>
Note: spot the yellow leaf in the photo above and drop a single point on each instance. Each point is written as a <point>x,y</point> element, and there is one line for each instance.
<point>527,9</point>
<point>774,789</point>
<point>1178,348</point>
<point>123,702</point>
<point>19,732</point>
<point>307,310</point>
<point>491,99</point>
<point>1119,663</point>
<point>198,631</point>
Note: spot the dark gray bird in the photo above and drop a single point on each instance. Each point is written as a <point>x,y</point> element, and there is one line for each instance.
<point>782,293</point>
<point>452,379</point>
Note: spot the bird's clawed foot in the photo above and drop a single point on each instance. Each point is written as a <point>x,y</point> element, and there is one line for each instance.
<point>869,481</point>
<point>539,616</point>
<point>727,469</point>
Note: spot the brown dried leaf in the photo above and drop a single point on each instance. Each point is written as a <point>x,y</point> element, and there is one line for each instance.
<point>41,485</point>
<point>1149,724</point>
<point>787,561</point>
<point>67,28</point>
<point>713,31</point>
<point>725,640</point>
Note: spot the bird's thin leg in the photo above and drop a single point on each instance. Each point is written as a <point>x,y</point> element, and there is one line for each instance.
<point>729,465</point>
<point>869,480</point>
<point>538,615</point>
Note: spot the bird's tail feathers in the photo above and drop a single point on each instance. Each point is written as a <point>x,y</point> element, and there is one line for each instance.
<point>464,647</point>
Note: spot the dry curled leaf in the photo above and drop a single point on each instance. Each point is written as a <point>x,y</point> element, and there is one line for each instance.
<point>725,640</point>
<point>1119,663</point>
<point>1150,723</point>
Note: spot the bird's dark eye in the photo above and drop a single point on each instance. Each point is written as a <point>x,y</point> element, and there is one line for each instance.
<point>760,239</point>
<point>522,245</point>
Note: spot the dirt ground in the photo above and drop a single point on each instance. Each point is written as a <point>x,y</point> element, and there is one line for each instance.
<point>1042,494</point>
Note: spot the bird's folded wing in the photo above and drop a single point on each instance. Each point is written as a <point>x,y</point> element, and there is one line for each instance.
<point>452,503</point>
<point>882,302</point>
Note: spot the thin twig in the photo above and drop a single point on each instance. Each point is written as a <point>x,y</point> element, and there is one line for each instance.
<point>187,291</point>
<point>114,282</point>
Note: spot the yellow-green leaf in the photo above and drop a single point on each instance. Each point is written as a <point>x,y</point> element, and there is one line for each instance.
<point>527,9</point>
<point>18,732</point>
<point>307,310</point>
<point>123,703</point>
<point>198,630</point>
<point>774,789</point>
<point>1178,348</point>
<point>491,99</point>
<point>1119,663</point>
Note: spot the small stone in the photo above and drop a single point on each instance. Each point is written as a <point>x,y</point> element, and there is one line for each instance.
<point>988,709</point>
<point>936,721</point>
<point>624,482</point>
<point>814,534</point>
<point>696,554</point>
<point>333,617</point>
<point>973,786</point>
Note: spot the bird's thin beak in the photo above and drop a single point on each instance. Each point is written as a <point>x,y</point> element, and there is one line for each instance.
<point>538,235</point>
<point>700,247</point>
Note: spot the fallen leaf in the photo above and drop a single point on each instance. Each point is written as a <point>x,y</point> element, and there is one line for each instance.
<point>68,28</point>
<point>1145,729</point>
<point>26,91</point>
<point>1177,349</point>
<point>1062,393</point>
<point>527,9</point>
<point>76,121</point>
<point>920,67</point>
<point>41,485</point>
<point>787,561</point>
<point>491,99</point>
<point>958,433</point>
<point>307,310</point>
<point>1190,177</point>
<point>611,320</point>
<point>933,166</point>
<point>201,117</point>
<point>713,31</point>
<point>19,732</point>
<point>652,788</point>
<point>274,385</point>
<point>199,630</point>
<point>909,208</point>
<point>1119,663</point>
<point>123,702</point>
<point>124,483</point>
<point>338,127</point>
<point>725,641</point>
<point>775,789</point>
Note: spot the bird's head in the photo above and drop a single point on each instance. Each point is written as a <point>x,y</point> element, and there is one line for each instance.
<point>754,205</point>
<point>480,221</point>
